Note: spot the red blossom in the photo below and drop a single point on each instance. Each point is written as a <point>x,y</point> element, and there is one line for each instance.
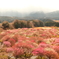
<point>38,51</point>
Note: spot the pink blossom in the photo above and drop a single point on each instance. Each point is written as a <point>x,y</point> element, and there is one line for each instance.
<point>44,45</point>
<point>51,53</point>
<point>7,43</point>
<point>56,48</point>
<point>57,40</point>
<point>38,51</point>
<point>18,52</point>
<point>9,49</point>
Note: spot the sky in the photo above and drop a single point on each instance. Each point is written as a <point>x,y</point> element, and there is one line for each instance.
<point>25,6</point>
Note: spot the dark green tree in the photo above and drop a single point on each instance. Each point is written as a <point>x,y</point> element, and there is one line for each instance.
<point>57,24</point>
<point>23,24</point>
<point>49,23</point>
<point>17,24</point>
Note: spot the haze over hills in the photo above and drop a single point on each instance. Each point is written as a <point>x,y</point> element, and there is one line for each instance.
<point>51,15</point>
<point>28,16</point>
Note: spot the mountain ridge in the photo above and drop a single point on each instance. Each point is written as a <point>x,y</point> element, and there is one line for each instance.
<point>33,15</point>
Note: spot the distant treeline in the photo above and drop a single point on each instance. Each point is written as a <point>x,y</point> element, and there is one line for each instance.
<point>22,24</point>
<point>28,24</point>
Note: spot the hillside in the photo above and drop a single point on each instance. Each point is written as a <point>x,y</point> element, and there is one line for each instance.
<point>10,19</point>
<point>29,16</point>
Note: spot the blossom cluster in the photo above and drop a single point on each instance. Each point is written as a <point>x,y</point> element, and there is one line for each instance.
<point>28,42</point>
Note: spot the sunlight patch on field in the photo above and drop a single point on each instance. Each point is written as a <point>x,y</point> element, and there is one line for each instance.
<point>43,27</point>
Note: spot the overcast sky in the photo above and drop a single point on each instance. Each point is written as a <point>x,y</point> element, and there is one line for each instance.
<point>29,5</point>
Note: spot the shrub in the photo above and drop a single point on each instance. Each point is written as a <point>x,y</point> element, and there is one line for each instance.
<point>38,23</point>
<point>50,23</point>
<point>5,24</point>
<point>23,24</point>
<point>16,23</point>
<point>30,24</point>
<point>57,24</point>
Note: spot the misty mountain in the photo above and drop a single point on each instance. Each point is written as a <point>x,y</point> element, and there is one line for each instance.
<point>12,15</point>
<point>51,15</point>
<point>37,14</point>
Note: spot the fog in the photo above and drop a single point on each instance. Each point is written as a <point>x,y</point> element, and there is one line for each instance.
<point>27,6</point>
